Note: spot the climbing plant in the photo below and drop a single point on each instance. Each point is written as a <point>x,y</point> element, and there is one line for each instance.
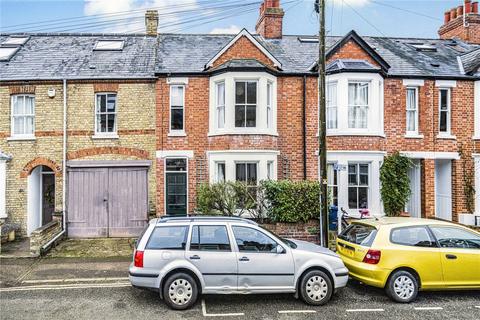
<point>395,188</point>
<point>468,177</point>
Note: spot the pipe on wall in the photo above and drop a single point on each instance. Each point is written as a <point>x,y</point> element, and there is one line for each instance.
<point>304,129</point>
<point>64,155</point>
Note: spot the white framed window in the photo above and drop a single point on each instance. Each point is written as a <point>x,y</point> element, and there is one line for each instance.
<point>220,104</point>
<point>177,108</point>
<point>246,104</point>
<point>105,113</point>
<point>219,171</point>
<point>270,168</point>
<point>23,115</point>
<point>332,181</point>
<point>358,95</point>
<point>269,104</point>
<point>332,113</point>
<point>444,98</point>
<point>358,185</point>
<point>412,111</point>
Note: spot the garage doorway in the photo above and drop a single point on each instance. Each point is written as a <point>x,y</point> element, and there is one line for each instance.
<point>107,198</point>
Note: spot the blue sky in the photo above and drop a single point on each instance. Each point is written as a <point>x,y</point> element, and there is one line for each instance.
<point>342,16</point>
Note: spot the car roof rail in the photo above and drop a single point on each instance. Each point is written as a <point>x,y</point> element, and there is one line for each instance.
<point>167,218</point>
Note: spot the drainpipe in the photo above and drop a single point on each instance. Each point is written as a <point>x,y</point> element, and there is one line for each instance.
<point>64,162</point>
<point>304,129</point>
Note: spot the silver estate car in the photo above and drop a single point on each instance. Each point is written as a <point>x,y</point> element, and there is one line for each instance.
<point>184,257</point>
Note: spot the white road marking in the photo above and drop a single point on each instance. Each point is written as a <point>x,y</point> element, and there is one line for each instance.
<point>75,280</point>
<point>67,287</point>
<point>478,307</point>
<point>428,308</point>
<point>205,314</point>
<point>365,310</point>
<point>296,311</point>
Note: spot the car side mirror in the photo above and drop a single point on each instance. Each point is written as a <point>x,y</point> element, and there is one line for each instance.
<point>280,249</point>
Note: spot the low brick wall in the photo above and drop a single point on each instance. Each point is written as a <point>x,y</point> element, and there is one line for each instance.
<point>307,231</point>
<point>43,235</point>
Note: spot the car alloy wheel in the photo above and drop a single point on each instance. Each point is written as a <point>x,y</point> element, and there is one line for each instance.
<point>316,288</point>
<point>180,291</point>
<point>404,287</point>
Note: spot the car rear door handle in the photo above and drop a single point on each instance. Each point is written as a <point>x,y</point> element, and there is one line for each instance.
<point>451,256</point>
<point>195,257</point>
<point>243,259</point>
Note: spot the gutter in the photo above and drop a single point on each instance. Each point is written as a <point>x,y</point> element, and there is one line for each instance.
<point>304,127</point>
<point>64,162</point>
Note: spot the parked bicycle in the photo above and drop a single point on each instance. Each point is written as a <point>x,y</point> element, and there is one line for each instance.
<point>364,214</point>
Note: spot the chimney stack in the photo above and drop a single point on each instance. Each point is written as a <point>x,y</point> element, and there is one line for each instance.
<point>462,22</point>
<point>151,22</point>
<point>270,21</point>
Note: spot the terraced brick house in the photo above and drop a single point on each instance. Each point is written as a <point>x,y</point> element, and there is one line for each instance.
<point>125,125</point>
<point>77,128</point>
<point>244,107</point>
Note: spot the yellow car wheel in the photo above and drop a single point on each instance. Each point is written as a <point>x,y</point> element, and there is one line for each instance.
<point>402,286</point>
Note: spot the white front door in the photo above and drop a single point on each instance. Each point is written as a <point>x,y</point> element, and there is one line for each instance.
<point>443,189</point>
<point>34,200</point>
<point>413,206</point>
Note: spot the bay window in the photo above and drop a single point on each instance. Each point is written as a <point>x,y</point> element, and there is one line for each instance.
<point>23,115</point>
<point>358,93</point>
<point>269,104</point>
<point>106,113</point>
<point>220,171</point>
<point>412,111</point>
<point>358,181</point>
<point>332,181</point>
<point>177,106</point>
<point>245,104</point>
<point>331,96</point>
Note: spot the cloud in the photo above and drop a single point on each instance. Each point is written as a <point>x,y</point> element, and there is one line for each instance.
<point>168,10</point>
<point>353,3</point>
<point>233,29</point>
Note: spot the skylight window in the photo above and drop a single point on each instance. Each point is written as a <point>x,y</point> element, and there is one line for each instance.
<point>107,45</point>
<point>424,47</point>
<point>15,41</point>
<point>311,40</point>
<point>7,52</point>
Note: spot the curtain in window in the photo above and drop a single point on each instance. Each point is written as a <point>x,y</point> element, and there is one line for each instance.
<point>23,114</point>
<point>332,106</point>
<point>358,105</point>
<point>411,110</point>
<point>221,105</point>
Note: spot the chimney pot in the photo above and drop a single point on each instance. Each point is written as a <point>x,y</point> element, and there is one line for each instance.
<point>453,13</point>
<point>474,7</point>
<point>459,11</point>
<point>151,22</point>
<point>446,17</point>
<point>468,6</point>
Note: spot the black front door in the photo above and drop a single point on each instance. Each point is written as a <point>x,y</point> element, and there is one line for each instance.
<point>48,197</point>
<point>176,186</point>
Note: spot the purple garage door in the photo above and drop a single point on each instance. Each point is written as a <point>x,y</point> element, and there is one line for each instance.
<point>107,198</point>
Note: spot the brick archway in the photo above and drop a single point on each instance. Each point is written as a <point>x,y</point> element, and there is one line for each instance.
<point>138,153</point>
<point>40,161</point>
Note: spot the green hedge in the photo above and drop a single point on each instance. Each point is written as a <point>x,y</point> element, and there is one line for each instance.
<point>292,201</point>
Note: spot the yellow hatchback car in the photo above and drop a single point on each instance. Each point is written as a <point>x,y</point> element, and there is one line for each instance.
<point>405,255</point>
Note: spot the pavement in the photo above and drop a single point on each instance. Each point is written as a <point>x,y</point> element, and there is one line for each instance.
<point>98,288</point>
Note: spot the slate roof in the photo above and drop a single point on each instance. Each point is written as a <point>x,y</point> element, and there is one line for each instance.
<point>471,62</point>
<point>240,64</point>
<point>54,56</point>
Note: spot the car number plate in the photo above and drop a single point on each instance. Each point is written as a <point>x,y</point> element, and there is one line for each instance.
<point>348,252</point>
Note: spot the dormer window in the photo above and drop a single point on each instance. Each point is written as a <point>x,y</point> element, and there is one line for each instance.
<point>109,45</point>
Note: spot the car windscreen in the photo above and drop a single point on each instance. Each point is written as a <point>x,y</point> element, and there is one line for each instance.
<point>359,234</point>
<point>289,243</point>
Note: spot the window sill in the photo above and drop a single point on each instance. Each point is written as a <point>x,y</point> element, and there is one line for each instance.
<point>356,133</point>
<point>177,134</point>
<point>477,137</point>
<point>446,136</point>
<point>105,136</point>
<point>22,138</point>
<point>243,133</point>
<point>414,136</point>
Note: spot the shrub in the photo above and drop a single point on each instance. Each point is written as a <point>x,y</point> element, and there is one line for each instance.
<point>292,201</point>
<point>225,198</point>
<point>395,189</point>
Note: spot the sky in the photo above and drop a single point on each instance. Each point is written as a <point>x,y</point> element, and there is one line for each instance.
<point>396,18</point>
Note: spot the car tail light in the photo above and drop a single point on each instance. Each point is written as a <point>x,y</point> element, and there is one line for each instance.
<point>138,260</point>
<point>372,256</point>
